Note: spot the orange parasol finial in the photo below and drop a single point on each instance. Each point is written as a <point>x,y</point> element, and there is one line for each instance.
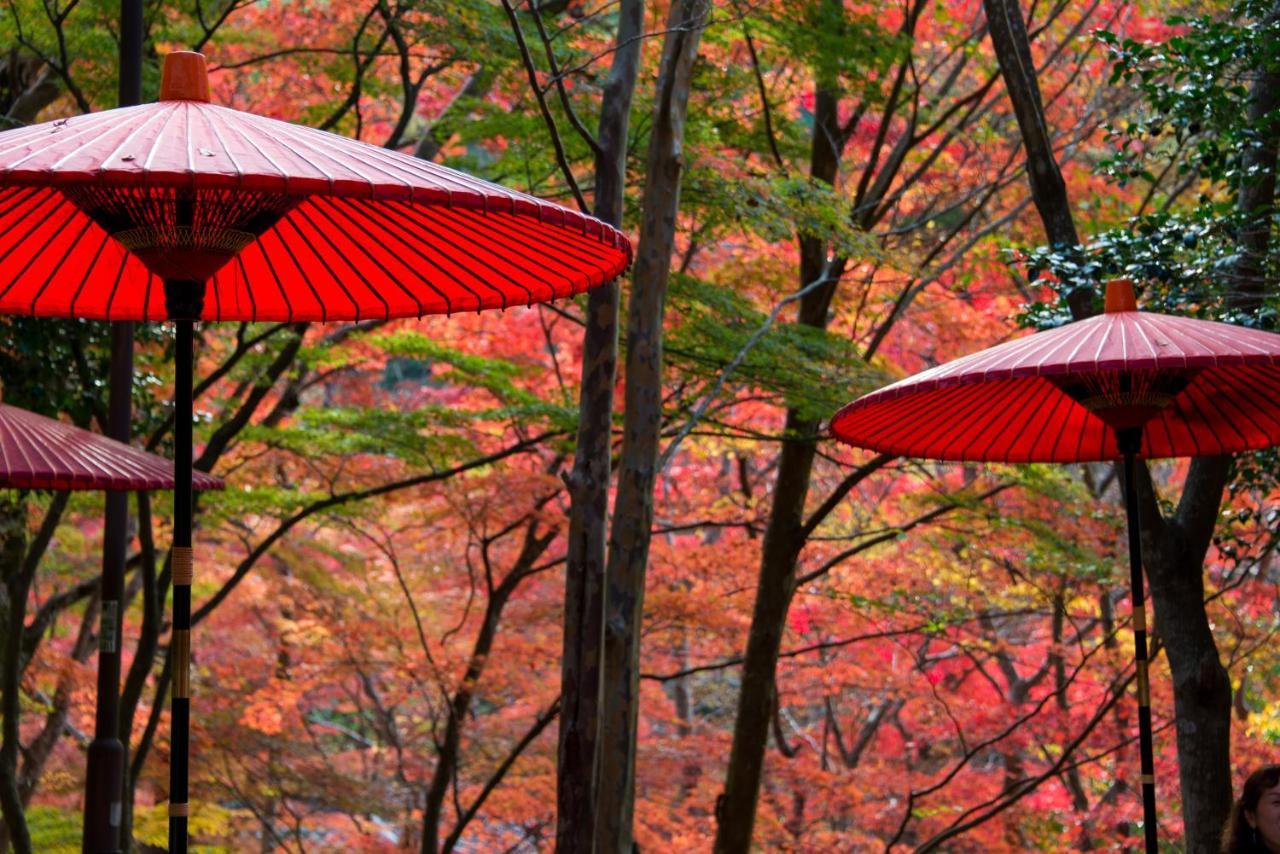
<point>1120,296</point>
<point>185,77</point>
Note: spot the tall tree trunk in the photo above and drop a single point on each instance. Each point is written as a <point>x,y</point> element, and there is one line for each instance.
<point>13,542</point>
<point>144,657</point>
<point>1174,550</point>
<point>589,481</point>
<point>633,512</point>
<point>1257,191</point>
<point>783,539</point>
<point>105,759</point>
<point>784,536</point>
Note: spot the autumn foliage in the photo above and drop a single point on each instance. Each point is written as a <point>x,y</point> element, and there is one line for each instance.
<point>380,602</point>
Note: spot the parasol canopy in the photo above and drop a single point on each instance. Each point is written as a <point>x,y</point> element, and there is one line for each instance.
<point>43,453</point>
<point>1194,387</point>
<point>285,222</point>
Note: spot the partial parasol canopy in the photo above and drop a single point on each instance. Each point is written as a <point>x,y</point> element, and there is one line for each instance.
<point>43,453</point>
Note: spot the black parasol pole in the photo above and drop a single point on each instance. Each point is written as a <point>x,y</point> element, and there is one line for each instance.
<point>184,301</point>
<point>1129,441</point>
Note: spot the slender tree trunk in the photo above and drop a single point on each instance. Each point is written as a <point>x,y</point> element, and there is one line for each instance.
<point>1061,686</point>
<point>32,85</point>
<point>633,512</point>
<point>783,540</point>
<point>37,753</point>
<point>783,537</point>
<point>787,530</point>
<point>447,752</point>
<point>589,481</point>
<point>143,660</point>
<point>1049,192</point>
<point>443,128</point>
<point>13,541</point>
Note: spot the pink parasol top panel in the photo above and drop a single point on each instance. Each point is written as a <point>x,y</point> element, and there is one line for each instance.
<point>332,228</point>
<point>1008,404</point>
<point>42,453</point>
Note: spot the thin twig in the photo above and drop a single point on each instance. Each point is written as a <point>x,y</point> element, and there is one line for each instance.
<point>707,399</point>
<point>764,93</point>
<point>561,158</point>
<point>582,130</point>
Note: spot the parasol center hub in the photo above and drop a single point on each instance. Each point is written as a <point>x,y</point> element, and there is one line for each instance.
<point>1121,416</point>
<point>1126,399</point>
<point>1129,440</point>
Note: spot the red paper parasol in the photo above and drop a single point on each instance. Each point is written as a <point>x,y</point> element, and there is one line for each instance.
<point>188,211</point>
<point>1123,385</point>
<point>320,227</point>
<point>42,453</point>
<point>1213,388</point>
